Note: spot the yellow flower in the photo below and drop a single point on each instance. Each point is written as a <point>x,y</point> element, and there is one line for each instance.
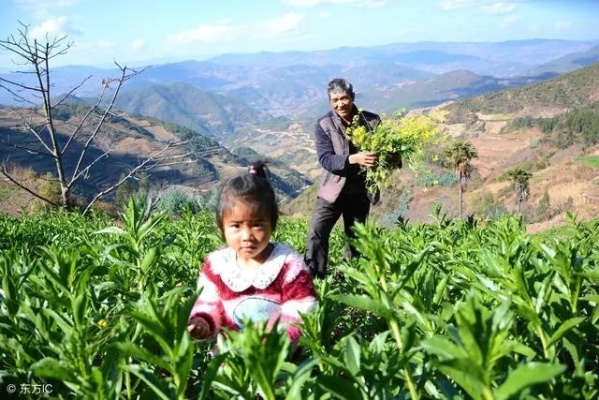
<point>102,323</point>
<point>408,136</point>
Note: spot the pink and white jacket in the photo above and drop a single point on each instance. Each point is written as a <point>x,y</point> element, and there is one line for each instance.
<point>280,289</point>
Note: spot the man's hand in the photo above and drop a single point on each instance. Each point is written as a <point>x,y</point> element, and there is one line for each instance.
<point>199,328</point>
<point>363,158</point>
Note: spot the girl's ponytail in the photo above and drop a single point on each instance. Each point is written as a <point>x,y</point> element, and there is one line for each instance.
<point>258,168</point>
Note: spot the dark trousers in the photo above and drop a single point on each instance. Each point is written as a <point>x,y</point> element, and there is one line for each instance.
<point>353,208</point>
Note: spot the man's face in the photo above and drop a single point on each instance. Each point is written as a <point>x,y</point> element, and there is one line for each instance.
<point>342,103</point>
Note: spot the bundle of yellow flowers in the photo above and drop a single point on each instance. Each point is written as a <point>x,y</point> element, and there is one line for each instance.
<point>397,135</point>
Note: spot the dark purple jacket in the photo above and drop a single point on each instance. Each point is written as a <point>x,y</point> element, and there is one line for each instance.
<point>332,148</point>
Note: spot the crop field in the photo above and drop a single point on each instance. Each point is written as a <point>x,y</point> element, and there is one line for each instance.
<point>94,308</point>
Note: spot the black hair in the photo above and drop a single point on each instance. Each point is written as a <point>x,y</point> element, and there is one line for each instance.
<point>341,85</point>
<point>252,187</point>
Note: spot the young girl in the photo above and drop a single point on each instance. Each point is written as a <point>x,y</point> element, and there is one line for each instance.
<point>252,279</point>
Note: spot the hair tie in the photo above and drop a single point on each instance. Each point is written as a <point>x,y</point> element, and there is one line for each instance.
<point>252,170</point>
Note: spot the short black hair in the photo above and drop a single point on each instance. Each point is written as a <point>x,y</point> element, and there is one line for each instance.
<point>252,187</point>
<point>341,85</point>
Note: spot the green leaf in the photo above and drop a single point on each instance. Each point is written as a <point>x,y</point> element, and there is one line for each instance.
<point>548,251</point>
<point>351,355</point>
<point>564,327</point>
<point>440,290</point>
<point>529,314</point>
<point>444,348</point>
<point>79,307</point>
<point>184,360</point>
<point>157,385</point>
<point>467,374</point>
<point>301,375</point>
<point>573,352</point>
<point>522,349</point>
<point>51,368</point>
<point>133,350</point>
<point>111,230</point>
<point>63,322</point>
<point>340,388</point>
<point>527,375</point>
<point>149,259</point>
<point>210,374</point>
<point>592,298</point>
<point>364,303</point>
<point>154,326</point>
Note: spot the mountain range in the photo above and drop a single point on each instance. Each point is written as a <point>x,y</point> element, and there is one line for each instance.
<point>248,106</point>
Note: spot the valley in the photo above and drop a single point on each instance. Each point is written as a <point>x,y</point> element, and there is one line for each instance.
<point>220,115</point>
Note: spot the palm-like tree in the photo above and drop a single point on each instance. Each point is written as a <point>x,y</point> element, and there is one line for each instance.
<point>521,178</point>
<point>459,155</point>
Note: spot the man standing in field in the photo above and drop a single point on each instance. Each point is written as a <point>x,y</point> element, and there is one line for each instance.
<point>343,188</point>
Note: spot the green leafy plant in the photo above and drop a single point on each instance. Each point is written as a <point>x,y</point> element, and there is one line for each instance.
<point>397,135</point>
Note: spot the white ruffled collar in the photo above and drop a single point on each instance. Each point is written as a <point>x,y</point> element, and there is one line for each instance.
<point>224,263</point>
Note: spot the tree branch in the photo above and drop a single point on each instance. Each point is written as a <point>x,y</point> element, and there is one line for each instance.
<point>100,123</point>
<point>66,96</point>
<point>82,122</point>
<point>85,170</point>
<point>36,134</point>
<point>123,179</point>
<point>22,86</point>
<point>25,188</point>
<point>17,97</point>
<point>28,149</point>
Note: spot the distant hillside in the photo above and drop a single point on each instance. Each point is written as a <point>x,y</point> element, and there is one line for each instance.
<point>195,164</point>
<point>577,126</point>
<point>183,104</point>
<point>564,92</point>
<point>449,86</point>
<point>292,84</point>
<point>569,62</point>
<point>506,58</point>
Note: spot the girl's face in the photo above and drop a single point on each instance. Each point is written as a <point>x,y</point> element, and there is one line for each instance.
<point>248,233</point>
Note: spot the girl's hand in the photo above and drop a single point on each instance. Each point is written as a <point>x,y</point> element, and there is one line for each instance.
<point>198,328</point>
<point>365,159</point>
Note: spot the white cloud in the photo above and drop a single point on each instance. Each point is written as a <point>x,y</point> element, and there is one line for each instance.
<point>105,45</point>
<point>563,25</point>
<point>43,9</point>
<point>51,27</point>
<point>499,8</point>
<point>313,3</point>
<point>286,23</point>
<point>303,3</point>
<point>33,4</point>
<point>509,21</point>
<point>455,4</point>
<point>490,6</point>
<point>375,3</point>
<point>138,44</point>
<point>209,33</point>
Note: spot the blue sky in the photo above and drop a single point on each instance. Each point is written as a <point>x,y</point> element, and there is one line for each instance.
<point>135,32</point>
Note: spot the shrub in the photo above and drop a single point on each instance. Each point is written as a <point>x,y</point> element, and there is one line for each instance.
<point>487,207</point>
<point>174,201</point>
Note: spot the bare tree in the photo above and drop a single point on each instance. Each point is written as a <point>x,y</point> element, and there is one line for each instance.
<point>35,91</point>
